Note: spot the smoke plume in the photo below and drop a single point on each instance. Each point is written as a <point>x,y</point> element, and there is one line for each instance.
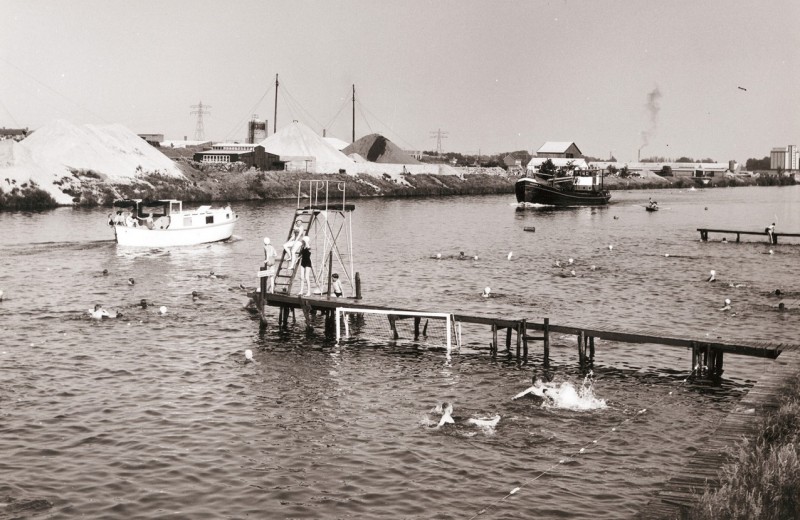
<point>653,107</point>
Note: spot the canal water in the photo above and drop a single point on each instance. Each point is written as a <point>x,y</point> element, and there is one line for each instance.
<point>152,415</point>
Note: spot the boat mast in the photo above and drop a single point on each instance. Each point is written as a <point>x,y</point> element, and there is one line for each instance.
<point>354,114</point>
<point>275,113</point>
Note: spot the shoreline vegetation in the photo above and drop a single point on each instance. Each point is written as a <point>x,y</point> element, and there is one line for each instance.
<point>235,183</point>
<point>762,480</point>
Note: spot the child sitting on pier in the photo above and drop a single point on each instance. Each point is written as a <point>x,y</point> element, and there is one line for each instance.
<point>336,285</point>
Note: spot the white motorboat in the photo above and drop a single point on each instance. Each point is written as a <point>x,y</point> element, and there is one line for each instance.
<point>165,223</point>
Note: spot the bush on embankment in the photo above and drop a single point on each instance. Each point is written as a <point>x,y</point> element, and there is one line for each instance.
<point>26,198</point>
<point>763,480</point>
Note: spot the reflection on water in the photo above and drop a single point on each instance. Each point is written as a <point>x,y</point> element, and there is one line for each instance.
<point>160,414</point>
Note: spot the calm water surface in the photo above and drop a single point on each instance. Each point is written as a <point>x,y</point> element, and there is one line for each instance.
<point>158,416</point>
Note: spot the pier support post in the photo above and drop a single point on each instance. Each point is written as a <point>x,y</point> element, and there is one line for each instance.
<point>591,350</point>
<point>417,320</point>
<point>393,326</point>
<point>547,342</point>
<point>493,346</point>
<point>718,365</point>
<point>508,342</point>
<point>358,286</point>
<point>581,352</point>
<point>520,332</point>
<point>525,341</point>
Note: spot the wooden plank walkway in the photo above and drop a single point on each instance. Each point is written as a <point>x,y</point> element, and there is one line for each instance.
<point>703,469</point>
<point>705,231</point>
<point>757,349</point>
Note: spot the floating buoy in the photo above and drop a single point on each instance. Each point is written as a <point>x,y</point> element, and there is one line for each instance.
<point>162,309</point>
<point>248,355</point>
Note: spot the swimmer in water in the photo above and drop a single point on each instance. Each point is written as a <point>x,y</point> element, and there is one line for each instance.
<point>486,292</point>
<point>195,296</point>
<point>446,409</point>
<point>462,256</point>
<point>131,281</point>
<point>143,303</point>
<point>727,305</point>
<point>712,276</point>
<point>1,295</point>
<point>99,312</point>
<point>781,307</point>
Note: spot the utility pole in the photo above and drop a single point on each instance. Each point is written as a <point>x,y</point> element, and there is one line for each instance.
<point>200,110</point>
<point>275,113</point>
<point>354,114</point>
<point>439,135</point>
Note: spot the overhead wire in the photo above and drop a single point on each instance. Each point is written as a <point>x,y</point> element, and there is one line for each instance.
<point>249,112</point>
<point>399,137</point>
<point>103,119</point>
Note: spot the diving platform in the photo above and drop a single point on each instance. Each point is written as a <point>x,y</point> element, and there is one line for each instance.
<point>775,235</point>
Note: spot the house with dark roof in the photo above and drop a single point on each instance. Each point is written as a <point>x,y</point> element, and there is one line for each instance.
<point>559,149</point>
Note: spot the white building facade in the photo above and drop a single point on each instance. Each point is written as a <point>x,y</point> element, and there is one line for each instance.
<point>784,158</point>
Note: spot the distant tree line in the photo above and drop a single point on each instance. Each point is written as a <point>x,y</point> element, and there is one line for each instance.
<point>753,164</point>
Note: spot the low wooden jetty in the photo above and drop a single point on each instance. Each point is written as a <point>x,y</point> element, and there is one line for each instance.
<point>702,470</point>
<point>705,231</point>
<point>707,355</point>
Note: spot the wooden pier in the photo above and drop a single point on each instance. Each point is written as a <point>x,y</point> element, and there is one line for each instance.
<point>705,231</point>
<point>708,354</point>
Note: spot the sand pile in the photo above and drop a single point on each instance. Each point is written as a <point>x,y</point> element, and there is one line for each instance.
<point>376,148</point>
<point>62,150</point>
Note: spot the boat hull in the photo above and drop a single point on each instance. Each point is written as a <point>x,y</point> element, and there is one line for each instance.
<point>534,192</point>
<point>140,236</point>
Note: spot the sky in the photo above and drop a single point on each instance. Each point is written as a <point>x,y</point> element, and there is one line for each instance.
<point>715,79</point>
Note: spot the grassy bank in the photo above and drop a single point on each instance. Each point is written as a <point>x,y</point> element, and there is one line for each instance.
<point>763,480</point>
<point>205,183</point>
<point>27,197</point>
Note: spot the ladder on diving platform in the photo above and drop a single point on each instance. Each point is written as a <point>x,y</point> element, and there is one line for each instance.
<point>329,228</point>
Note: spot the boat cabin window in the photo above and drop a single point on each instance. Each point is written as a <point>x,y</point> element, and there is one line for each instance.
<point>157,211</point>
<point>174,207</point>
<point>210,219</point>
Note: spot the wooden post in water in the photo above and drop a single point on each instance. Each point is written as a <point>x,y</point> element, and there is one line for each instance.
<point>591,350</point>
<point>525,341</point>
<point>358,286</point>
<point>508,342</point>
<point>417,320</point>
<point>493,346</point>
<point>262,304</point>
<point>520,332</point>
<point>547,342</point>
<point>718,365</point>
<point>581,353</point>
<point>694,358</point>
<point>306,306</point>
<point>393,326</point>
<point>330,271</point>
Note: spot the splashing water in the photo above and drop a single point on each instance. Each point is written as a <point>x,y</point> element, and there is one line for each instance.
<point>566,396</point>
